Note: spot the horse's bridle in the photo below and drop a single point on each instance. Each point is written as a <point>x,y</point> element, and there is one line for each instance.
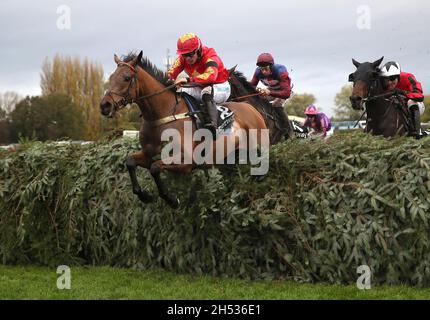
<point>371,87</point>
<point>125,99</point>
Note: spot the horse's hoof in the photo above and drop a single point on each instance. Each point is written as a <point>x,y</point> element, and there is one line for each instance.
<point>145,197</point>
<point>173,202</point>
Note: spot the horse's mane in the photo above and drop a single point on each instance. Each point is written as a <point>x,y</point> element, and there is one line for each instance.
<point>245,83</point>
<point>149,67</point>
<point>242,87</point>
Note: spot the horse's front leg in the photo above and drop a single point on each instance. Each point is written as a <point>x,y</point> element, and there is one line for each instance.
<point>132,161</point>
<point>159,166</point>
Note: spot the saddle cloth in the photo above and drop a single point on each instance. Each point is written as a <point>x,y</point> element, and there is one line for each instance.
<point>225,115</point>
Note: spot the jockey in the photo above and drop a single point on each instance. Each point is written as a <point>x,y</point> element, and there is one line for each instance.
<point>204,69</point>
<point>393,79</point>
<point>277,84</point>
<point>318,121</point>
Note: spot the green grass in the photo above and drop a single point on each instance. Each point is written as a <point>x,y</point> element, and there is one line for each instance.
<point>113,283</point>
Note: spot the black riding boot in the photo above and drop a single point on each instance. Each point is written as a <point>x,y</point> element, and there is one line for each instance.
<point>416,121</point>
<point>211,119</point>
<point>284,123</point>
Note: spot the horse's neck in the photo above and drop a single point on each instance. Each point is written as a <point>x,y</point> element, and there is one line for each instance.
<point>378,107</point>
<point>158,106</point>
<point>386,117</point>
<point>239,90</point>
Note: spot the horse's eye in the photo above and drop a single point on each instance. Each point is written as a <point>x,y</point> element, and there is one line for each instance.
<point>127,78</point>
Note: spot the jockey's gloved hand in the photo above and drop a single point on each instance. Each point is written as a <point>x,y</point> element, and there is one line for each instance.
<point>400,91</point>
<point>181,81</point>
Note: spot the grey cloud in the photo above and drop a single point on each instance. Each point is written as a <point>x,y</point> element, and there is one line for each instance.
<point>314,39</point>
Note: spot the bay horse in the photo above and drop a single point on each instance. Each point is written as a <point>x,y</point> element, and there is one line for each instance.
<point>138,80</point>
<point>387,113</point>
<point>241,87</point>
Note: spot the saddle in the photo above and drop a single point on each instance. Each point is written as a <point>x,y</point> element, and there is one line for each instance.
<point>225,115</point>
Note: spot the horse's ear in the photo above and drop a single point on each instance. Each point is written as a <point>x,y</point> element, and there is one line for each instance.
<point>351,77</point>
<point>356,63</point>
<point>117,60</point>
<point>232,69</point>
<point>138,58</point>
<point>377,62</point>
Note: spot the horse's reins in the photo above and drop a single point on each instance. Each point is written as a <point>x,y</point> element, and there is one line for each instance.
<point>126,98</point>
<point>371,98</point>
<point>244,97</point>
<point>378,96</point>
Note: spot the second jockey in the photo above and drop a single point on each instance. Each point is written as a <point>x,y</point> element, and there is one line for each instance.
<point>277,84</point>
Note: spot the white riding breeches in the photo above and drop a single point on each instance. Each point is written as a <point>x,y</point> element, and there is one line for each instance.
<point>329,133</point>
<point>221,92</point>
<point>420,105</point>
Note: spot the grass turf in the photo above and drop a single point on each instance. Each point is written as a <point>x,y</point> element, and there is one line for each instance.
<point>19,282</point>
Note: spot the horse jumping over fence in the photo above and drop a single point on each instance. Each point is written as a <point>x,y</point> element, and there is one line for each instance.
<point>137,80</point>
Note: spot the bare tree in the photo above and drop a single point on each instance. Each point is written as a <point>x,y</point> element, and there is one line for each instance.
<point>8,100</point>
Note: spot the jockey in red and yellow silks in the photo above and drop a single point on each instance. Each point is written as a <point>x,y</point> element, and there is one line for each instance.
<point>205,68</point>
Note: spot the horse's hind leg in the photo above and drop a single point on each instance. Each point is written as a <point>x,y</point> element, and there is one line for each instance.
<point>138,159</point>
<point>156,169</point>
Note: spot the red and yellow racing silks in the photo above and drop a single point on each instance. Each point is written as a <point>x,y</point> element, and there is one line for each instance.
<point>208,69</point>
<point>411,86</point>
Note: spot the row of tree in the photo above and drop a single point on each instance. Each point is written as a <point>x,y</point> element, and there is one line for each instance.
<point>67,108</point>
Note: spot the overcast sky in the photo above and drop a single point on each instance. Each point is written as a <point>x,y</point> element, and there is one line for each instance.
<point>315,40</point>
